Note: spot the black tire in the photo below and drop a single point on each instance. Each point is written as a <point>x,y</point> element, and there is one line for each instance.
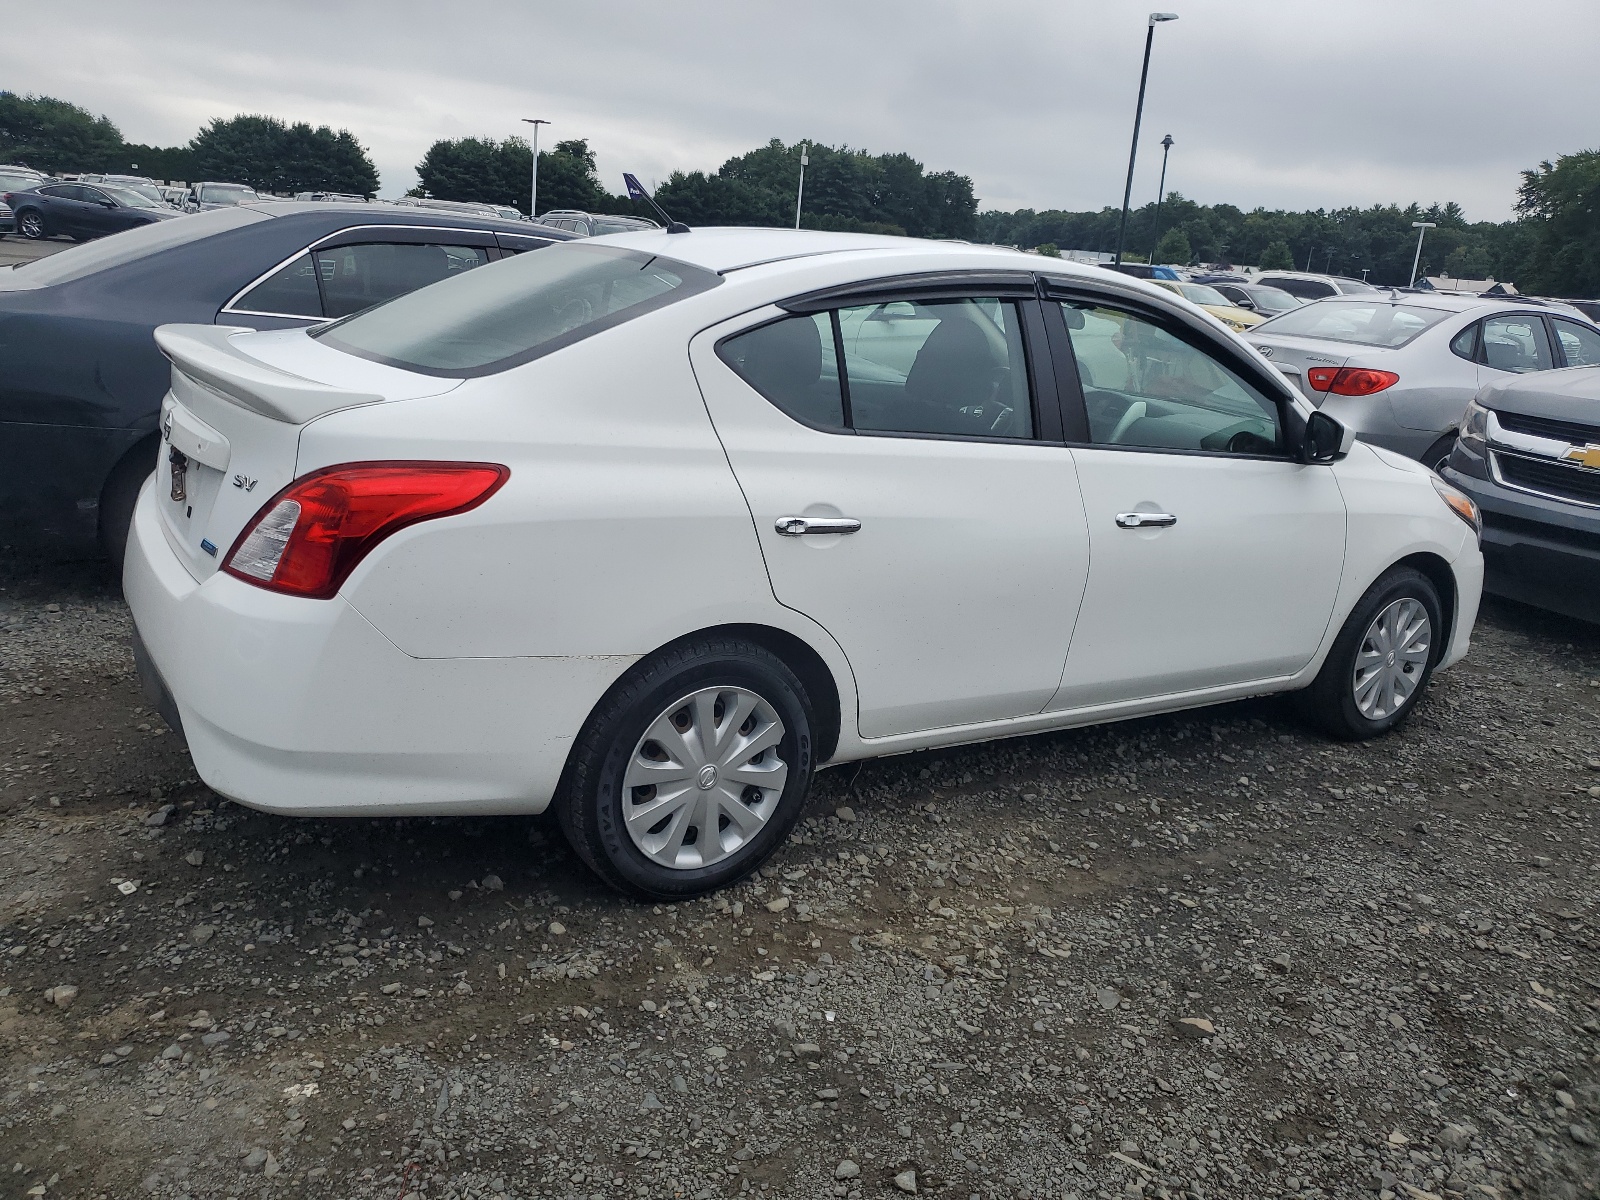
<point>1330,702</point>
<point>590,802</point>
<point>31,225</point>
<point>117,498</point>
<point>1439,453</point>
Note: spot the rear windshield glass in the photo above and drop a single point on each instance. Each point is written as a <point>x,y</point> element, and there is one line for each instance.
<point>130,244</point>
<point>1361,322</point>
<point>515,310</point>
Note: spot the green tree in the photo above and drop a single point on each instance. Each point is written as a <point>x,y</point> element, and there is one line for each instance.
<point>53,135</point>
<point>1049,249</point>
<point>1173,248</point>
<point>492,172</point>
<point>1562,201</point>
<point>567,177</point>
<point>272,156</point>
<point>1276,257</point>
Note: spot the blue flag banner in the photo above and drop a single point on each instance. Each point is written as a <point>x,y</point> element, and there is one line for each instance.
<point>635,188</point>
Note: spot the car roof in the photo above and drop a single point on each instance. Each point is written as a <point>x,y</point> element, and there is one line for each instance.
<point>1438,300</point>
<point>736,248</point>
<point>393,214</point>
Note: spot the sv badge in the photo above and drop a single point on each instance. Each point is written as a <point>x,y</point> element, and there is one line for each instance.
<point>245,482</point>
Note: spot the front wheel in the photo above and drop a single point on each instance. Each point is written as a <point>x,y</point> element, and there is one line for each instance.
<point>1381,661</point>
<point>30,223</point>
<point>1435,457</point>
<point>691,772</point>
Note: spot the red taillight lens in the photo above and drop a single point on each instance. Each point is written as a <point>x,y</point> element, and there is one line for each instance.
<point>308,538</point>
<point>1350,381</point>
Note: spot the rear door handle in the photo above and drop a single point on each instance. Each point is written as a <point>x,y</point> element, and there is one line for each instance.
<point>800,526</point>
<point>1145,520</point>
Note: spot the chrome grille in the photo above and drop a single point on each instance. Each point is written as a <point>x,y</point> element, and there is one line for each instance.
<point>1545,477</point>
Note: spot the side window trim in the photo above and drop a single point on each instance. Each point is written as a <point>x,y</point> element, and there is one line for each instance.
<point>355,234</point>
<point>1288,417</point>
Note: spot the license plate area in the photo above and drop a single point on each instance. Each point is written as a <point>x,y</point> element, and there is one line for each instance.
<point>192,466</point>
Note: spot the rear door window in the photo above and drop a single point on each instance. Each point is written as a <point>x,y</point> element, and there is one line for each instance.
<point>953,368</point>
<point>1516,342</point>
<point>1306,289</point>
<point>290,291</point>
<point>358,276</point>
<point>1580,344</point>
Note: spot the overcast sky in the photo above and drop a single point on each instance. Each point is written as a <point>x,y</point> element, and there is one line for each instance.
<point>1277,103</point>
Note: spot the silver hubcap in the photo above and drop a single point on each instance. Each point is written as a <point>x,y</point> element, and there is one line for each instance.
<point>1392,659</point>
<point>31,225</point>
<point>705,778</point>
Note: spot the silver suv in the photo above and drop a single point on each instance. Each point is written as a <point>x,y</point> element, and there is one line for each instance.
<point>1307,286</point>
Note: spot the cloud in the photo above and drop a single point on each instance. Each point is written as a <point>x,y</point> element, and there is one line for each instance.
<point>1270,103</point>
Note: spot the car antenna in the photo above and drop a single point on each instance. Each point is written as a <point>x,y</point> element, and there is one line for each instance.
<point>636,192</point>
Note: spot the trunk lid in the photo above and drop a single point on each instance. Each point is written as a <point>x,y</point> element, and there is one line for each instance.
<point>1302,353</point>
<point>230,426</point>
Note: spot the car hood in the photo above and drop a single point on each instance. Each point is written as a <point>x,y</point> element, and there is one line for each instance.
<point>1571,394</point>
<point>1229,312</point>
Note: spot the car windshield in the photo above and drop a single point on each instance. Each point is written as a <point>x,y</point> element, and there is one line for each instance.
<point>515,310</point>
<point>612,225</point>
<point>126,194</point>
<point>227,193</point>
<point>1199,293</point>
<point>151,238</point>
<point>1361,322</point>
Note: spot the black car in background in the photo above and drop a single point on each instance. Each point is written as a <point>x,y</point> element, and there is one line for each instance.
<point>81,379</point>
<point>83,210</point>
<point>1266,301</point>
<point>1529,453</point>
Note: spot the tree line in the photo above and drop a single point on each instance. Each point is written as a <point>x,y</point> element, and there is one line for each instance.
<point>1551,246</point>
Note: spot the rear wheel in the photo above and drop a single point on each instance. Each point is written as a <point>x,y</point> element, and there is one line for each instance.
<point>691,772</point>
<point>118,497</point>
<point>1381,661</point>
<point>30,223</point>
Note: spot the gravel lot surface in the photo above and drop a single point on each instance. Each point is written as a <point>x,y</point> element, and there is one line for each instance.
<point>1209,955</point>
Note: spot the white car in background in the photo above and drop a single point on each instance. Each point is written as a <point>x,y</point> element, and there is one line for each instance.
<point>1400,367</point>
<point>649,527</point>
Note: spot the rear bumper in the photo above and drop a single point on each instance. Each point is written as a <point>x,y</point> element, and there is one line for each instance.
<point>301,706</point>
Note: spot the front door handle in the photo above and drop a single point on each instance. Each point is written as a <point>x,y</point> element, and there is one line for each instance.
<point>1145,520</point>
<point>800,526</point>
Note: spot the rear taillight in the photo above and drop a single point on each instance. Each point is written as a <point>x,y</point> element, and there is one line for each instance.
<point>1350,381</point>
<point>307,539</point>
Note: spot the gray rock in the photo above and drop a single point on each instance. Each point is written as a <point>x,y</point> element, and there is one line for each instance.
<point>651,1102</point>
<point>1581,1134</point>
<point>1109,998</point>
<point>906,1181</point>
<point>846,1170</point>
<point>158,818</point>
<point>806,1050</point>
<point>201,934</point>
<point>256,1159</point>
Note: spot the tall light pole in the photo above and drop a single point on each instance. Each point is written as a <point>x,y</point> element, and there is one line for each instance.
<point>800,195</point>
<point>1422,228</point>
<point>1138,115</point>
<point>1155,238</point>
<point>533,190</point>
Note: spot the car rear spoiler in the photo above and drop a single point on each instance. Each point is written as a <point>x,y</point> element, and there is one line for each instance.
<point>205,353</point>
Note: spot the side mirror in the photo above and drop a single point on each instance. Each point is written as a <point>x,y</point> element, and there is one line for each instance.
<point>1325,440</point>
<point>1246,303</point>
<point>107,204</point>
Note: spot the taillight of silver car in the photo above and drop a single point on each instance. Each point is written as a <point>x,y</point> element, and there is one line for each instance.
<point>1350,381</point>
<point>307,539</point>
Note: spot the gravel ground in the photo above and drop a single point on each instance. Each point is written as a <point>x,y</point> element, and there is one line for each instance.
<point>1207,955</point>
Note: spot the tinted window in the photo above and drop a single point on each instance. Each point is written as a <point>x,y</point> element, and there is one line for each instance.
<point>792,363</point>
<point>1580,344</point>
<point>1355,287</point>
<point>359,276</point>
<point>1465,343</point>
<point>291,292</point>
<point>1144,386</point>
<point>1360,322</point>
<point>1515,342</point>
<point>517,309</point>
<point>952,367</point>
<point>62,191</point>
<point>131,244</point>
<point>128,197</point>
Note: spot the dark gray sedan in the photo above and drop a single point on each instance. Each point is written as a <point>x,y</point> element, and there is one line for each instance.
<point>1529,454</point>
<point>82,379</point>
<point>83,210</point>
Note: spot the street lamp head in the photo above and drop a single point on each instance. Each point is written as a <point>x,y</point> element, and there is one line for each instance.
<point>1157,18</point>
<point>1424,224</point>
<point>533,121</point>
<point>1167,141</point>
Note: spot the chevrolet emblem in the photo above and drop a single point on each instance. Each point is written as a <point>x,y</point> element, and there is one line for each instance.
<point>1584,456</point>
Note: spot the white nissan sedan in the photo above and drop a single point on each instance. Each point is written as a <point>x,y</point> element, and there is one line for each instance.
<point>649,527</point>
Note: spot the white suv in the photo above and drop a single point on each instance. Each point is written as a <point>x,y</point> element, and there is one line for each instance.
<point>1305,286</point>
<point>650,527</point>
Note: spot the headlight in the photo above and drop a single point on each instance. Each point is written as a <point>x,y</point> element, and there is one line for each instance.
<point>1461,504</point>
<point>1474,426</point>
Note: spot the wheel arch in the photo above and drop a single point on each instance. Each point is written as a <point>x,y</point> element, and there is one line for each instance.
<point>1437,572</point>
